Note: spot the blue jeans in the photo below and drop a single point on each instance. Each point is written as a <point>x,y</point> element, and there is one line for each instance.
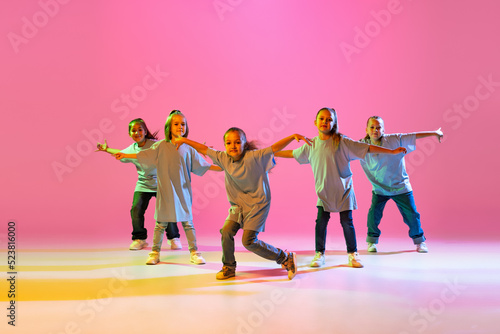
<point>139,205</point>
<point>347,226</point>
<point>406,205</point>
<point>250,242</point>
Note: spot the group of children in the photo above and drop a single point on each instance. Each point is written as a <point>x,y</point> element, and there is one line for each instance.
<point>165,168</point>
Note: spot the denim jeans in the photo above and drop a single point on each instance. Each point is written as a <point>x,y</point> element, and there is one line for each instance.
<point>347,226</point>
<point>250,242</point>
<point>139,205</point>
<point>406,205</point>
<point>188,230</point>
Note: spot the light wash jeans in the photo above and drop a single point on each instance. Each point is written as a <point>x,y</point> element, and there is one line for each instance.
<point>250,242</point>
<point>188,230</point>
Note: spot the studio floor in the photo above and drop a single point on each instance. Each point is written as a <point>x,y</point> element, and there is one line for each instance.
<point>455,288</point>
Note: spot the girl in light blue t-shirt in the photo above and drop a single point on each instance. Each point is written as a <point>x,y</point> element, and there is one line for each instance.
<point>145,188</point>
<point>174,168</point>
<point>330,157</point>
<point>387,174</point>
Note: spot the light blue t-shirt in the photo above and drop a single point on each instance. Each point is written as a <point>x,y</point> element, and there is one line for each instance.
<point>247,186</point>
<point>174,197</point>
<point>146,181</point>
<point>387,172</point>
<point>332,170</point>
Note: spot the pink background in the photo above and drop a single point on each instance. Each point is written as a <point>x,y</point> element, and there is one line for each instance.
<point>264,66</point>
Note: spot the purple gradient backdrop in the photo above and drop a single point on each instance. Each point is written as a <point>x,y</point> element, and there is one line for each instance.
<point>265,66</point>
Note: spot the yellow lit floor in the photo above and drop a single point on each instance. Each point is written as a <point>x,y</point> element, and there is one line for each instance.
<point>455,288</point>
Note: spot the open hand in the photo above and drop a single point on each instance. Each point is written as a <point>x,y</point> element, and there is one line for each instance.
<point>301,137</point>
<point>102,147</point>
<point>439,134</point>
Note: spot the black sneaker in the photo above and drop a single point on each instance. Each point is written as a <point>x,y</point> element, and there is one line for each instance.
<point>225,273</point>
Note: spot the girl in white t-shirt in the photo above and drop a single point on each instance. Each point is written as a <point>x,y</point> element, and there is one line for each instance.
<point>145,188</point>
<point>247,187</point>
<point>330,157</point>
<point>174,168</point>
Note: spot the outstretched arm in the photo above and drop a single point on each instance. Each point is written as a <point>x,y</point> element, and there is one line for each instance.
<point>382,150</point>
<point>201,148</point>
<point>284,154</point>
<point>104,148</point>
<point>279,145</point>
<point>121,155</point>
<point>438,133</point>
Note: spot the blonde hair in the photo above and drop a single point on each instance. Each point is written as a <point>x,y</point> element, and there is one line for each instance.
<point>336,135</point>
<point>168,125</point>
<point>377,118</point>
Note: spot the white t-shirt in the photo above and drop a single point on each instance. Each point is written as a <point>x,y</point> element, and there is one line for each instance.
<point>247,186</point>
<point>174,197</point>
<point>332,171</point>
<point>146,177</point>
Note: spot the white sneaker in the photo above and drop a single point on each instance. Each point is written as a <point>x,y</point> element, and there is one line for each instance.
<point>138,244</point>
<point>372,248</point>
<point>318,260</point>
<point>154,258</point>
<point>422,248</point>
<point>196,258</point>
<point>175,243</point>
<point>354,260</point>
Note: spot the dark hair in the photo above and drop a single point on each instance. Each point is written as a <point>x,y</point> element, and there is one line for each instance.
<point>148,135</point>
<point>378,118</point>
<point>249,145</point>
<point>336,135</point>
<point>168,124</point>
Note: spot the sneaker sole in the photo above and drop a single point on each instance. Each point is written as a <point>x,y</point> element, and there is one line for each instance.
<point>316,265</point>
<point>224,278</point>
<point>144,246</point>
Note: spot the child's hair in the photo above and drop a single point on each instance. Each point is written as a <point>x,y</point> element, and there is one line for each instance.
<point>336,135</point>
<point>148,135</point>
<point>249,145</point>
<point>168,124</point>
<point>378,118</point>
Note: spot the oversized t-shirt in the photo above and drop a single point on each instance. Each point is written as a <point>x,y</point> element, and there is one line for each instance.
<point>174,196</point>
<point>387,172</point>
<point>332,170</point>
<point>247,186</point>
<point>146,181</point>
